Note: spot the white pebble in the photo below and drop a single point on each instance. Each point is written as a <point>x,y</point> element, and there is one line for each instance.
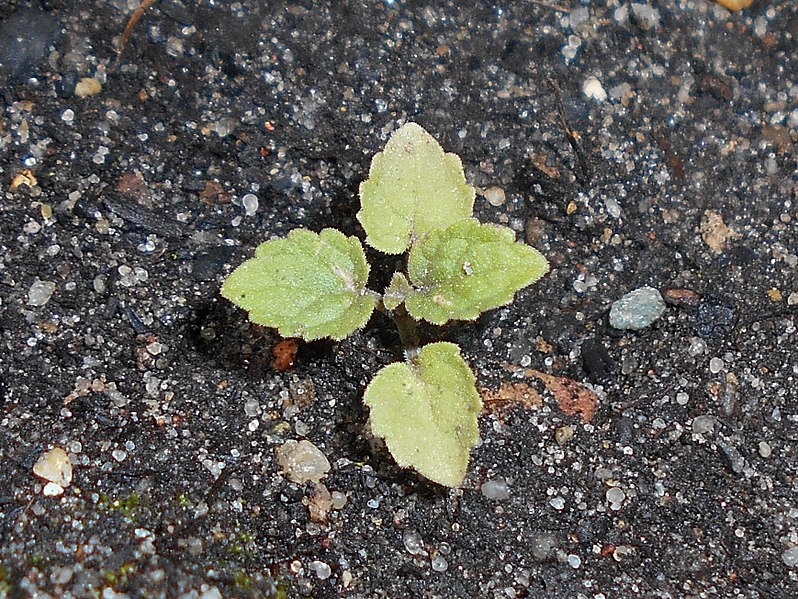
<point>496,489</point>
<point>40,292</point>
<point>439,563</point>
<point>703,424</point>
<point>790,557</point>
<point>54,466</point>
<point>250,204</point>
<point>716,365</point>
<point>764,449</point>
<point>612,206</point>
<point>302,461</point>
<point>322,570</point>
<point>615,497</point>
<point>574,561</point>
<point>413,542</point>
<point>592,88</point>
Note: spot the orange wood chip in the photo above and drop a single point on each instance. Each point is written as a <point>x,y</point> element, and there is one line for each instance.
<point>510,395</point>
<point>573,398</point>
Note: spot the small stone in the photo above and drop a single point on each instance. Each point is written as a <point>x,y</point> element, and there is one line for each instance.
<point>637,309</point>
<point>495,196</point>
<point>615,497</point>
<point>496,489</point>
<point>413,542</point>
<point>703,424</point>
<point>563,435</point>
<point>40,292</point>
<point>716,365</point>
<point>790,557</point>
<point>439,563</point>
<point>302,461</point>
<point>713,319</point>
<point>250,204</point>
<point>764,449</point>
<point>322,569</point>
<point>593,89</point>
<point>338,500</point>
<point>88,86</point>
<point>54,466</point>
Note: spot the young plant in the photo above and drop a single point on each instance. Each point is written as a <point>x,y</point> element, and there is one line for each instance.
<point>313,285</point>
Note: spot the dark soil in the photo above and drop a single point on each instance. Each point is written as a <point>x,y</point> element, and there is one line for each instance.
<point>165,397</point>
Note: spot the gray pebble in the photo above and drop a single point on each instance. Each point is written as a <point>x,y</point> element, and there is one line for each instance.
<point>637,309</point>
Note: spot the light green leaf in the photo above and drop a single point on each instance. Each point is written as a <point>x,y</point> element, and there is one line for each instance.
<point>413,187</point>
<point>396,292</point>
<point>306,285</point>
<point>426,410</point>
<point>468,268</point>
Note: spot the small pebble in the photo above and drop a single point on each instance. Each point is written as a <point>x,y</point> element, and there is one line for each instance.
<point>563,435</point>
<point>302,461</point>
<point>322,570</point>
<point>703,424</point>
<point>637,309</point>
<point>250,204</point>
<point>716,365</point>
<point>790,557</point>
<point>54,466</point>
<point>593,89</point>
<point>40,292</point>
<point>574,561</point>
<point>765,449</point>
<point>439,563</point>
<point>88,86</point>
<point>615,497</point>
<point>413,542</point>
<point>338,500</point>
<point>495,196</point>
<point>496,489</point>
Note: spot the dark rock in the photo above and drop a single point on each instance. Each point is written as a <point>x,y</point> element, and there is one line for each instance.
<point>714,319</point>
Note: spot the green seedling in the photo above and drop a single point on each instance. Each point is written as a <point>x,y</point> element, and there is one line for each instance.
<point>313,285</point>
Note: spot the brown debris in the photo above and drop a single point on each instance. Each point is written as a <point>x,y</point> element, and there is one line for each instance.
<point>715,232</point>
<point>574,398</point>
<point>686,298</point>
<point>319,503</point>
<point>510,395</point>
<point>214,193</point>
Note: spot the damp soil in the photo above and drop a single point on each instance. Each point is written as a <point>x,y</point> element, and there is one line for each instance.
<point>636,145</point>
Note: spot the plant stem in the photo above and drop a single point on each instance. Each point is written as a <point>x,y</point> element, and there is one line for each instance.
<point>408,329</point>
<point>405,324</point>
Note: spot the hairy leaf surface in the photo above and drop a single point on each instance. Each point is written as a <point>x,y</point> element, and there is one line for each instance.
<point>468,268</point>
<point>426,410</point>
<point>306,285</point>
<point>396,292</point>
<point>413,187</point>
